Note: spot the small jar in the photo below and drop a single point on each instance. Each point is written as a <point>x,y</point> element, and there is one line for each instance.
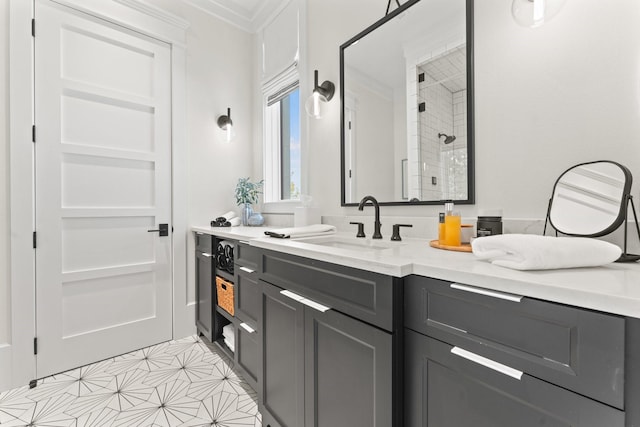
<point>489,225</point>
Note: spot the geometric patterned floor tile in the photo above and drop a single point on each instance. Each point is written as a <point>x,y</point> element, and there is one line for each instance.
<point>179,383</point>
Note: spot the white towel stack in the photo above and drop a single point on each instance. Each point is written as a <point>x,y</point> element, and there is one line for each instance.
<point>306,231</point>
<point>531,252</point>
<point>229,338</point>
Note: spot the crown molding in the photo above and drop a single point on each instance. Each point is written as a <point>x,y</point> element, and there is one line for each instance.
<point>250,21</point>
<point>156,12</point>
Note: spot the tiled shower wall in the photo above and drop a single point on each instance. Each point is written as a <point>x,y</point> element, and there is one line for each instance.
<point>437,118</point>
<point>454,155</point>
<point>444,93</point>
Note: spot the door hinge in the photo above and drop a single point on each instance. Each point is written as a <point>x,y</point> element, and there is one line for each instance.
<point>349,125</point>
<point>33,133</point>
<point>35,345</point>
<point>349,173</point>
<point>35,240</point>
<point>33,28</point>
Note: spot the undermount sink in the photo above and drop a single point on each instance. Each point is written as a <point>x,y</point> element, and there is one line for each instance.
<point>352,243</point>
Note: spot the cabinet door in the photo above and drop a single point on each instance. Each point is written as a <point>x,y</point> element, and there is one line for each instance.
<point>348,372</point>
<point>204,289</point>
<point>443,389</point>
<point>281,356</point>
<point>247,354</point>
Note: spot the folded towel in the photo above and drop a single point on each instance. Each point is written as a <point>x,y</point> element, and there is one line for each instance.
<point>227,331</point>
<point>231,345</point>
<point>531,252</point>
<point>234,222</point>
<point>306,231</point>
<point>229,340</point>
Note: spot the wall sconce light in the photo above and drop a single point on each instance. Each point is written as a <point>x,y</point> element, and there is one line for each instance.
<point>226,124</point>
<point>534,13</point>
<point>316,104</point>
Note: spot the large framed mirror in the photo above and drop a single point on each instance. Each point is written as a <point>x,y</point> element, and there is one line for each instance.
<point>407,122</point>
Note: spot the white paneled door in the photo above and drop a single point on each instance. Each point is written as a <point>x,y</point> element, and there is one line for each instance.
<point>103,181</point>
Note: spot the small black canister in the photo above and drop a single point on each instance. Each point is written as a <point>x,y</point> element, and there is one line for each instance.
<point>489,225</point>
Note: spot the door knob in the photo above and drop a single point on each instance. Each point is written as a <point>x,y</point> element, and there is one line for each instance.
<point>163,229</point>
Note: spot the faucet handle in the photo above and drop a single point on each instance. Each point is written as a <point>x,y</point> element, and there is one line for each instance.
<point>396,231</point>
<point>360,229</point>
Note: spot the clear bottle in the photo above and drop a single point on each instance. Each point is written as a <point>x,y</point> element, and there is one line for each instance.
<point>452,225</point>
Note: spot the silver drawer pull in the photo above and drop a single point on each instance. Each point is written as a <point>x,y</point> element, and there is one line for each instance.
<point>292,295</point>
<point>247,270</point>
<point>247,328</point>
<point>487,292</point>
<point>305,301</point>
<point>488,363</point>
<point>204,254</point>
<point>316,306</point>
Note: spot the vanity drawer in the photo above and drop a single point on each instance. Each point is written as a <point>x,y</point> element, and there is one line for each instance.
<point>578,349</point>
<point>448,386</point>
<point>358,293</point>
<point>247,297</point>
<point>204,242</point>
<point>247,256</point>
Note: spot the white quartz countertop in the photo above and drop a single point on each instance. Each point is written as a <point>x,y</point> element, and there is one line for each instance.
<point>236,233</point>
<point>614,288</point>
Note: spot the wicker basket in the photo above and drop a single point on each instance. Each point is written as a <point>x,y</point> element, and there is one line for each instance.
<point>224,290</point>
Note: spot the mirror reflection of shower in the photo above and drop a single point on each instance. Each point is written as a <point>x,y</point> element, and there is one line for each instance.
<point>448,139</point>
<point>442,130</point>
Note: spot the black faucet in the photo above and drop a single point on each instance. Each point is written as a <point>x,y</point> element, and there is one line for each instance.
<point>376,206</point>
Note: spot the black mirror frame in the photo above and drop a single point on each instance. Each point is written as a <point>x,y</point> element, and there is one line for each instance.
<point>622,214</point>
<point>470,200</point>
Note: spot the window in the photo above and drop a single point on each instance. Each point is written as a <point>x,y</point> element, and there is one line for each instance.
<point>282,150</point>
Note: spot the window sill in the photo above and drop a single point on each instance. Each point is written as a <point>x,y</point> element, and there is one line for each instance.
<point>282,207</point>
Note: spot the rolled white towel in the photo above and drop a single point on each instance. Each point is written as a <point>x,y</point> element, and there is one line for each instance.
<point>234,221</point>
<point>226,217</point>
<point>306,231</point>
<point>531,252</point>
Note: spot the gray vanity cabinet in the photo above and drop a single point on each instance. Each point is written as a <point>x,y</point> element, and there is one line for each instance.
<point>476,358</point>
<point>325,368</point>
<point>247,308</point>
<point>281,355</point>
<point>445,390</point>
<point>347,372</point>
<point>204,284</point>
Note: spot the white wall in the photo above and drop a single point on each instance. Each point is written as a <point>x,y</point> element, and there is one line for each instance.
<point>546,99</point>
<point>5,296</point>
<point>219,75</point>
<point>374,141</point>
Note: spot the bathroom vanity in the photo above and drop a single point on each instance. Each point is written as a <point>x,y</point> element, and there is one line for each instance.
<point>406,335</point>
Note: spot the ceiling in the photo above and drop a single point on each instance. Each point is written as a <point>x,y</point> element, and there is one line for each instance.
<point>248,15</point>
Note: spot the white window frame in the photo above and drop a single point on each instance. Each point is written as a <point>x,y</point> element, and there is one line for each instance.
<point>272,144</point>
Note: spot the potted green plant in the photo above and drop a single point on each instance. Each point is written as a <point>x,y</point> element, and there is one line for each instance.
<point>247,193</point>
